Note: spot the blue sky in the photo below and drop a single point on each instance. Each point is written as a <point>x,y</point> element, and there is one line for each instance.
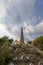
<point>15,14</point>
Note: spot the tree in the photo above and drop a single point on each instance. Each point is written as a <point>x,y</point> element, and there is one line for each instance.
<point>6,55</point>
<point>38,42</point>
<point>6,40</point>
<point>6,51</point>
<point>29,42</point>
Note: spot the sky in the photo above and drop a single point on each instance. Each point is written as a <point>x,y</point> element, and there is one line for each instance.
<point>15,14</point>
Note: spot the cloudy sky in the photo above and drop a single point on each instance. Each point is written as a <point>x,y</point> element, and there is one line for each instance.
<point>15,14</point>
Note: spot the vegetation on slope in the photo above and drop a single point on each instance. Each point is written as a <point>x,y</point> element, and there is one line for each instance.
<point>38,42</point>
<point>8,52</point>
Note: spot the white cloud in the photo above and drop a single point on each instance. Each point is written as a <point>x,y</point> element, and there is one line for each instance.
<point>39,27</point>
<point>34,30</point>
<point>16,12</point>
<point>26,8</point>
<point>15,28</point>
<point>11,1</point>
<point>14,1</point>
<point>13,32</point>
<point>29,38</point>
<point>28,28</point>
<point>3,12</point>
<point>3,27</point>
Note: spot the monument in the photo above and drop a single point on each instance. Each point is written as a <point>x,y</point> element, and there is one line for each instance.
<point>21,36</point>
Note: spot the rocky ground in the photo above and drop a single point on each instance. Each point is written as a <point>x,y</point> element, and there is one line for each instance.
<point>27,55</point>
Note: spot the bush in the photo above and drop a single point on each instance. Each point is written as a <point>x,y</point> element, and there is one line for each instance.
<point>38,43</point>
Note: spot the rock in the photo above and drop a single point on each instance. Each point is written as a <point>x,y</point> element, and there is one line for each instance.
<point>34,58</point>
<point>31,64</point>
<point>27,56</point>
<point>22,56</point>
<point>40,62</point>
<point>11,63</point>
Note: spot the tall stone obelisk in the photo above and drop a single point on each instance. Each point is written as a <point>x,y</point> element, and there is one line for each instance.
<point>21,36</point>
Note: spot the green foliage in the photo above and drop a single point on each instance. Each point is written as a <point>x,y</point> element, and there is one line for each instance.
<point>29,42</point>
<point>39,42</point>
<point>19,45</point>
<point>6,55</point>
<point>6,51</point>
<point>28,46</point>
<point>6,40</point>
